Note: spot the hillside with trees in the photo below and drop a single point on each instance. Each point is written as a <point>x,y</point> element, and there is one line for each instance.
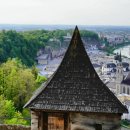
<point>17,84</point>
<point>18,76</point>
<point>25,45</point>
<point>13,45</point>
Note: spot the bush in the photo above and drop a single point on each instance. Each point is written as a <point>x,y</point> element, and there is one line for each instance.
<point>17,119</point>
<point>8,113</point>
<point>40,79</point>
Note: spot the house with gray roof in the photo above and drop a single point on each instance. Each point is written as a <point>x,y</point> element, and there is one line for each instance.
<point>109,67</point>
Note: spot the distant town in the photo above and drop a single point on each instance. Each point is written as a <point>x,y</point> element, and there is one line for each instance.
<point>116,76</point>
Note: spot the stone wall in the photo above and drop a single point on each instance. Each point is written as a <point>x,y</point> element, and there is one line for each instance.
<point>14,127</point>
<point>90,121</point>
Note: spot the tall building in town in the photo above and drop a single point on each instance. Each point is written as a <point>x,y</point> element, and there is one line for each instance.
<point>119,75</point>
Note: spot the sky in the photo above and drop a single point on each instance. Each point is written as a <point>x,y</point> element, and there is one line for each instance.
<point>69,12</point>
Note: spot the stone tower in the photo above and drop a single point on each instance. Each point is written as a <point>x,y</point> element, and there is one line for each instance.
<point>119,75</point>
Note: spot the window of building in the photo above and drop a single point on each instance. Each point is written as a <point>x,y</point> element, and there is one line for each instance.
<point>98,127</point>
<point>123,89</point>
<point>128,91</point>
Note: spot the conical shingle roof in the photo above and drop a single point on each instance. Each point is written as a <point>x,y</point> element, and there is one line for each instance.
<point>75,86</point>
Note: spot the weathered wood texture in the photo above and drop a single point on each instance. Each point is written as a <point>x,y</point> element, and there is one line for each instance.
<point>89,121</point>
<point>34,120</point>
<point>49,121</point>
<point>14,127</point>
<point>55,121</point>
<point>77,121</point>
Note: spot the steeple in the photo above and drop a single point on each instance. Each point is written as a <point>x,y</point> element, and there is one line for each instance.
<point>120,57</point>
<point>119,75</point>
<point>75,86</point>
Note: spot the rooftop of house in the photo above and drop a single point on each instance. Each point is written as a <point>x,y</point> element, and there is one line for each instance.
<point>95,65</point>
<point>111,65</point>
<point>43,57</point>
<point>125,64</point>
<point>126,80</point>
<point>127,102</point>
<point>75,86</point>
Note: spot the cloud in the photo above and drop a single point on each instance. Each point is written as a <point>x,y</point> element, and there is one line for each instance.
<point>65,12</point>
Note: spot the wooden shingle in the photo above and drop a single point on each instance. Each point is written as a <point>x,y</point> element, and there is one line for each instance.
<point>75,86</point>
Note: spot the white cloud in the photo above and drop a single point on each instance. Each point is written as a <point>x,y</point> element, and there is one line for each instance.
<point>112,12</point>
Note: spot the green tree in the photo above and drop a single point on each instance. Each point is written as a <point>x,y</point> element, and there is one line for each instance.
<point>7,109</point>
<point>41,79</point>
<point>25,45</point>
<point>17,119</point>
<point>13,44</point>
<point>8,113</point>
<point>16,82</point>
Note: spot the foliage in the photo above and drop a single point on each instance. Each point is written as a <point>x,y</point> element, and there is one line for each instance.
<point>16,82</point>
<point>125,123</point>
<point>90,35</point>
<point>26,114</point>
<point>7,108</point>
<point>34,71</point>
<point>17,119</point>
<point>13,44</point>
<point>40,79</point>
<point>8,113</point>
<point>109,49</point>
<point>25,45</point>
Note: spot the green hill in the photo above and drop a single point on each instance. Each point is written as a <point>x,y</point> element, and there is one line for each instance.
<point>24,45</point>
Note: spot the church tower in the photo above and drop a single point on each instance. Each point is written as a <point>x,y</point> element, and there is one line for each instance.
<point>119,75</point>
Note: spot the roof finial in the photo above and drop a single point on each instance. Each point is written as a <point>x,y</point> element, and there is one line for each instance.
<point>76,29</point>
